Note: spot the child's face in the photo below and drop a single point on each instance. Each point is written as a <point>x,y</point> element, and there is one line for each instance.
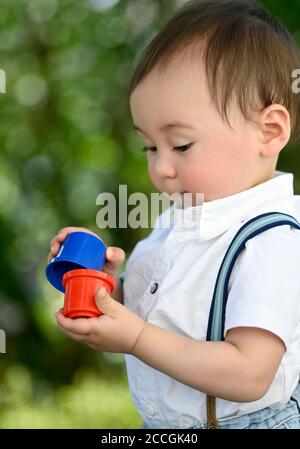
<point>221,161</point>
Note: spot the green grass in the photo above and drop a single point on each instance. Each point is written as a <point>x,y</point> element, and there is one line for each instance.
<point>89,402</point>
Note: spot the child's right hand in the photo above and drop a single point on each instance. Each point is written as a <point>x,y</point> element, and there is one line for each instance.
<point>113,258</point>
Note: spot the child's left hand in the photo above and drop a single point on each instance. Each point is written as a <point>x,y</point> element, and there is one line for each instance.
<point>116,331</point>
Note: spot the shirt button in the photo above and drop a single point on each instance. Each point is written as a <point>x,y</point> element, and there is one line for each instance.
<point>154,287</point>
<point>149,409</point>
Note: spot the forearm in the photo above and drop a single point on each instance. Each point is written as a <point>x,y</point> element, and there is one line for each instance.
<point>118,293</point>
<point>215,368</point>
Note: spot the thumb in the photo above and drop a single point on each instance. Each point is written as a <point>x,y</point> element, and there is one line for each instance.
<point>114,257</point>
<point>105,303</point>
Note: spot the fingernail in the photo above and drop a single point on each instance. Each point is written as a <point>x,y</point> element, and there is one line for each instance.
<point>110,252</point>
<point>101,291</point>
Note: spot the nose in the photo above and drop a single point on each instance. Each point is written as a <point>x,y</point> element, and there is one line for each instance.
<point>164,166</point>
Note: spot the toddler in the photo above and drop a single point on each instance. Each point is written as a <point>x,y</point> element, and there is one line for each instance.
<point>212,99</point>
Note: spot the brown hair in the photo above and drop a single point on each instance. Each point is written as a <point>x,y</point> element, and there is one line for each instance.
<point>246,52</point>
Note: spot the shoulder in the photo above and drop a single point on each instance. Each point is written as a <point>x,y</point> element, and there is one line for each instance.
<point>269,263</point>
<point>284,239</point>
<point>282,233</point>
<point>273,252</point>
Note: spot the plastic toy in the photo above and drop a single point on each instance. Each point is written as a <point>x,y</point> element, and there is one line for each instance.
<point>76,271</point>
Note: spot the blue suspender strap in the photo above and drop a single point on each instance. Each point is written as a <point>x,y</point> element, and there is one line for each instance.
<point>216,322</point>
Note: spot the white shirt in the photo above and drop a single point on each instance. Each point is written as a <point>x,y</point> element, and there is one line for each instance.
<point>169,282</point>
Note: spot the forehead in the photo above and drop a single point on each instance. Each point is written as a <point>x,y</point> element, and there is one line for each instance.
<point>179,87</point>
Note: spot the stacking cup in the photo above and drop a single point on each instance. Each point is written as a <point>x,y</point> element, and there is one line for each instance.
<point>80,288</point>
<point>79,250</point>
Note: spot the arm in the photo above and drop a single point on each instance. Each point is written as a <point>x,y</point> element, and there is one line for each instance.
<point>239,369</point>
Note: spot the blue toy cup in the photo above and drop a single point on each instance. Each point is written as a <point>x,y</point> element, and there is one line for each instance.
<point>78,250</point>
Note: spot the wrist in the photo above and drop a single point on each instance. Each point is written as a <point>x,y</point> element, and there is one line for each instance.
<point>143,326</point>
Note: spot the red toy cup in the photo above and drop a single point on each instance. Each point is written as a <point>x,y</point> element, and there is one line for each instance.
<point>80,288</point>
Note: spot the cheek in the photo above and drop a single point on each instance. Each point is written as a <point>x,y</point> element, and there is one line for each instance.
<point>196,178</point>
<point>201,170</point>
<point>152,175</point>
<point>212,170</point>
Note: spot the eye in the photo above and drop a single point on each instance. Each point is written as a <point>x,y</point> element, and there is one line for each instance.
<point>181,149</point>
<point>151,149</point>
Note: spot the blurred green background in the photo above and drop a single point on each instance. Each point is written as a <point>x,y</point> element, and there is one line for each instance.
<point>66,135</point>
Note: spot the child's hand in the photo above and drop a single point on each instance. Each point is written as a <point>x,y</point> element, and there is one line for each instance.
<point>114,255</point>
<point>116,331</point>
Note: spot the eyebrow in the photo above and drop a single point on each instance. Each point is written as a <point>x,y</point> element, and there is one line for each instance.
<point>169,125</point>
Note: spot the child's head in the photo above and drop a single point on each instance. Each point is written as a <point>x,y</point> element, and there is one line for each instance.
<point>224,68</point>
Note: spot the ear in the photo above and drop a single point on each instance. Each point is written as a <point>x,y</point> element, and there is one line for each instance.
<point>275,129</point>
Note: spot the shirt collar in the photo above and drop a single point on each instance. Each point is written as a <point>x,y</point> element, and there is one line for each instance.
<point>213,218</point>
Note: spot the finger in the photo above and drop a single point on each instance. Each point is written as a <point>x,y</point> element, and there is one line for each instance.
<point>106,304</point>
<point>53,252</point>
<point>79,326</point>
<point>63,232</point>
<point>56,241</point>
<point>75,337</point>
<point>50,257</point>
<point>114,257</point>
<point>55,246</point>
